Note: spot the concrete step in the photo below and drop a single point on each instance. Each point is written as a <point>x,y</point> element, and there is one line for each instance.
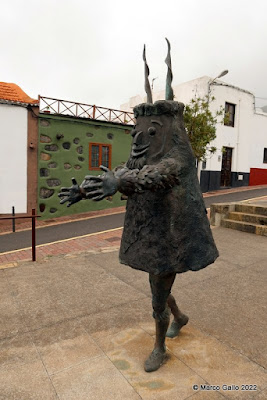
<point>245,227</point>
<point>251,209</point>
<point>245,217</point>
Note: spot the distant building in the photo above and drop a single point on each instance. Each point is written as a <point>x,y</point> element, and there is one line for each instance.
<point>74,140</point>
<point>46,142</point>
<point>18,158</point>
<point>241,156</point>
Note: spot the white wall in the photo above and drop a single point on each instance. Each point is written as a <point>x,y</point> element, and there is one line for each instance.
<point>13,158</point>
<point>249,135</point>
<point>259,138</point>
<point>237,137</point>
<point>247,138</point>
<point>187,91</point>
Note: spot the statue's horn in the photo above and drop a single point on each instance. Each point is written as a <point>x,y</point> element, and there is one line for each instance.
<point>147,84</point>
<point>169,91</point>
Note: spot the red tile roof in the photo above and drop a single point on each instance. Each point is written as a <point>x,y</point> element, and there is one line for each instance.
<point>12,92</point>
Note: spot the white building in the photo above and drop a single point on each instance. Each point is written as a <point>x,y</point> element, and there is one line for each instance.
<point>241,156</point>
<point>18,153</point>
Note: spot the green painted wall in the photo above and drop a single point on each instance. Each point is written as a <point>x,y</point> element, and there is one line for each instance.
<point>64,153</point>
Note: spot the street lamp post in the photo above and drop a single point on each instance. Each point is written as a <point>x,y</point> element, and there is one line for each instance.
<point>210,82</point>
<point>220,75</point>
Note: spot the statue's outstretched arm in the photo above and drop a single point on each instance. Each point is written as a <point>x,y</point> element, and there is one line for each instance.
<point>163,175</point>
<point>93,187</point>
<point>128,181</point>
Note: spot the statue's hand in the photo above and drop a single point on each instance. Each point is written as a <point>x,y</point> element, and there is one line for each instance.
<point>99,187</point>
<point>71,194</point>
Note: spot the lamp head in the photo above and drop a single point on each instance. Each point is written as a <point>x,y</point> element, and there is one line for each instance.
<point>223,73</point>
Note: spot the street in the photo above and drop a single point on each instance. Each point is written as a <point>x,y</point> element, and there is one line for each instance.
<point>20,240</point>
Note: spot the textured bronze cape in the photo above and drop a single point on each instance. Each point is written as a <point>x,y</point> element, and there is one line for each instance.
<point>167,230</point>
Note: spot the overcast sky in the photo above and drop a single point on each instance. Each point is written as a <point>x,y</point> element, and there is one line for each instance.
<point>91,51</point>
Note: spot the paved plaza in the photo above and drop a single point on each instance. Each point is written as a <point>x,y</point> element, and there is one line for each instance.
<point>78,326</point>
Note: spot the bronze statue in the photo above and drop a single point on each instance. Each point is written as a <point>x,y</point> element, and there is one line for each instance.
<point>166,229</point>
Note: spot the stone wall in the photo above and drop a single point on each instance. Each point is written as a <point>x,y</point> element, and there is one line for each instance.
<point>64,153</point>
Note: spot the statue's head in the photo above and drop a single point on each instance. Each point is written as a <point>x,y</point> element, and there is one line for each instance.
<point>155,130</point>
<point>158,126</point>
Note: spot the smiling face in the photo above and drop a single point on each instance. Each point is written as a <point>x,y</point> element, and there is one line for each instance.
<point>152,139</point>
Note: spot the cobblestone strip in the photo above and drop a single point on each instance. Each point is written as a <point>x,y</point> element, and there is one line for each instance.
<point>92,242</point>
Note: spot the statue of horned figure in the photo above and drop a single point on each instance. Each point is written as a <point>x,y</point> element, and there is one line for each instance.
<point>166,229</point>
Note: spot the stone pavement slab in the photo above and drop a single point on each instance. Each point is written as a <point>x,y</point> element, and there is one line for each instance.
<point>128,351</point>
<point>63,345</point>
<point>233,302</point>
<point>26,382</point>
<point>17,350</point>
<point>131,276</point>
<point>259,202</point>
<point>63,288</point>
<point>97,379</point>
<point>113,320</point>
<point>215,361</point>
<point>11,319</point>
<point>79,326</point>
<point>261,395</point>
<point>194,359</point>
<point>207,395</point>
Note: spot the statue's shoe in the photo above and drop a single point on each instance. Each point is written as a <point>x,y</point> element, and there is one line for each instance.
<point>176,326</point>
<point>155,360</point>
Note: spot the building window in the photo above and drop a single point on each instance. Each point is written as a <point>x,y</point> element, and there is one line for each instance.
<point>229,115</point>
<point>265,155</point>
<point>99,154</point>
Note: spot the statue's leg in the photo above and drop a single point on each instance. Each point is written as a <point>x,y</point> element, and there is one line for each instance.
<point>160,288</point>
<point>179,320</point>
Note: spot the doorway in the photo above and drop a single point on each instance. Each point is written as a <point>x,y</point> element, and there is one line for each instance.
<point>226,166</point>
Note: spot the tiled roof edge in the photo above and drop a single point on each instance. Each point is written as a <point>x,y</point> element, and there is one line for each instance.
<point>18,103</point>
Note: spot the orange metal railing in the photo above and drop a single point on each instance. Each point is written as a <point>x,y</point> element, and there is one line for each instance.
<point>48,105</point>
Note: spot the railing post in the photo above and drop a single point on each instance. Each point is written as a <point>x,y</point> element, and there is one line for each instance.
<point>13,220</point>
<point>94,112</point>
<point>33,235</point>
